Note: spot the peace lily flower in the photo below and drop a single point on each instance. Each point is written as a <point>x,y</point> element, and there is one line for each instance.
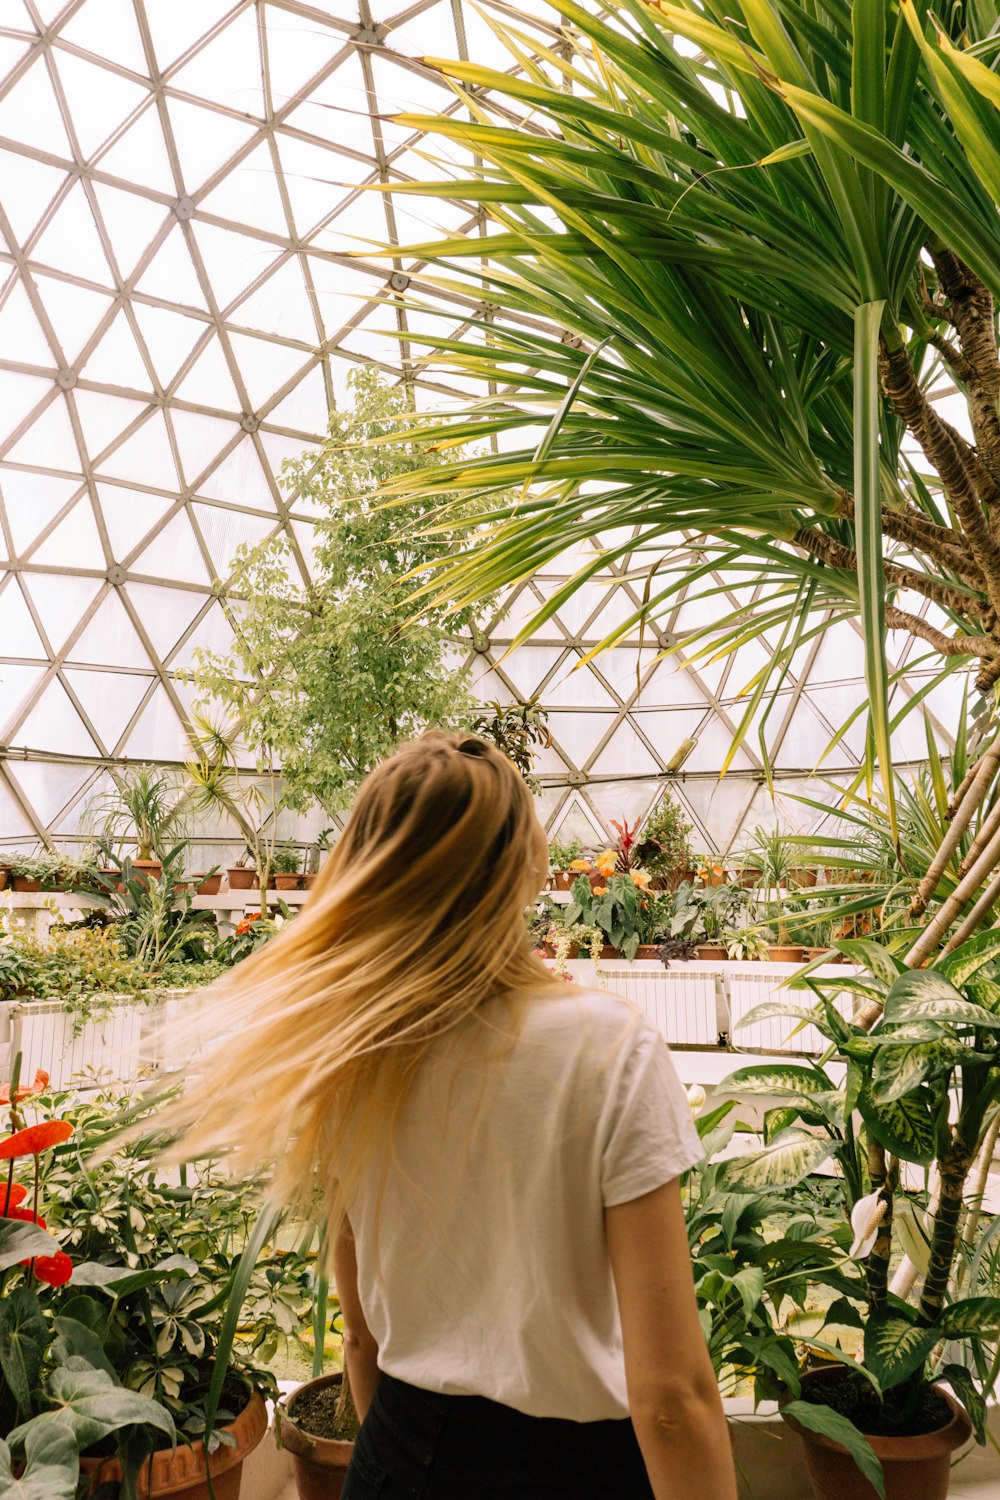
<point>866,1216</point>
<point>696,1097</point>
<point>913,1231</point>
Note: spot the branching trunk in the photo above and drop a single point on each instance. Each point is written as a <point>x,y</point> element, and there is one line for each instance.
<point>944,1236</point>
<point>877,1262</point>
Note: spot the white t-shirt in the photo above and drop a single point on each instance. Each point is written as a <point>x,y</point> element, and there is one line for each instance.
<point>491,1274</point>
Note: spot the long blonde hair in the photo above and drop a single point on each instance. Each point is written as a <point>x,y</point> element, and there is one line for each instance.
<point>416,920</point>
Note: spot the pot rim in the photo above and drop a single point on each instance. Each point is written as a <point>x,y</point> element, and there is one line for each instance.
<point>333,1452</point>
<point>169,1471</point>
<point>920,1445</point>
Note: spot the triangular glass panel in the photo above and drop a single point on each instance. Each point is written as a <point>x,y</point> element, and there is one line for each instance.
<point>578,822</point>
<point>146,452</point>
<point>158,735</point>
<point>624,801</point>
<point>75,312</point>
<point>200,440</point>
<point>70,241</point>
<point>228,69</point>
<point>17,629</point>
<point>28,188</point>
<point>239,478</point>
<point>625,748</point>
<point>232,260</point>
<point>578,734</point>
<point>139,155</point>
<point>98,99</point>
<point>165,613</point>
<point>528,667</point>
<point>12,50</point>
<point>296,51</point>
<point>17,683</point>
<point>20,395</point>
<point>213,632</point>
<point>132,223</point>
<point>50,788</point>
<point>171,275</point>
<point>108,31</point>
<point>306,407</point>
<point>29,112</point>
<point>205,140</point>
<point>208,382</point>
<point>249,193</point>
<point>74,543</point>
<point>170,338</point>
<point>49,442</point>
<point>266,365</point>
<point>103,417</point>
<point>280,306</point>
<point>54,721</point>
<point>278,448</point>
<point>116,360</point>
<point>225,530</point>
<point>315,177</point>
<point>174,553</point>
<point>574,686</point>
<point>110,639</point>
<point>109,699</point>
<point>338,106</point>
<point>305,536</point>
<point>129,515</point>
<point>175,29</point>
<point>666,733</point>
<point>60,601</point>
<point>21,336</point>
<point>30,502</point>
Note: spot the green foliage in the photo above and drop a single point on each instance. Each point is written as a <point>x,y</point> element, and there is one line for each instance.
<point>562,855</point>
<point>515,728</point>
<point>665,848</point>
<point>286,859</point>
<point>146,807</point>
<point>331,673</point>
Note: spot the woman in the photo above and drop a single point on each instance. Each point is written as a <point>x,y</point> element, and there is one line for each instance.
<point>498,1154</point>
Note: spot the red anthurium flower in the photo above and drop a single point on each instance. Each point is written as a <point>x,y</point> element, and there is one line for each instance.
<point>10,1200</point>
<point>25,1092</point>
<point>26,1217</point>
<point>54,1270</point>
<point>35,1138</point>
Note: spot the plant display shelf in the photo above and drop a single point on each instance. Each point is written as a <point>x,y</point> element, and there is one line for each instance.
<point>34,909</point>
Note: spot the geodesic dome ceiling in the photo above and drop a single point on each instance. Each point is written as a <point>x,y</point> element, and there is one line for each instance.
<point>180,185</point>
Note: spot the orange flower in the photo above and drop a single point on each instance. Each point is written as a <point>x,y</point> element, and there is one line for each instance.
<point>10,1200</point>
<point>600,890</point>
<point>26,1090</point>
<point>606,861</point>
<point>580,864</point>
<point>35,1138</point>
<point>54,1270</point>
<point>640,878</point>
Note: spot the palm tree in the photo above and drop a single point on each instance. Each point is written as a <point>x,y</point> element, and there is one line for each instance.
<point>737,247</point>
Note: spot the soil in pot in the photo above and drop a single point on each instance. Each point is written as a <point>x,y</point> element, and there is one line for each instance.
<point>320,1441</point>
<point>241,878</point>
<point>180,1473</point>
<point>916,1464</point>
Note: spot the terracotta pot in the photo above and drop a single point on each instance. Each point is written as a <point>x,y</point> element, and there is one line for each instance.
<point>671,880</point>
<point>915,1468</point>
<point>25,884</point>
<point>180,886</point>
<point>111,879</point>
<point>646,952</point>
<point>241,878</point>
<point>147,869</point>
<point>207,885</point>
<point>609,952</point>
<point>597,879</point>
<point>562,880</point>
<point>180,1474</point>
<point>310,879</point>
<point>285,882</point>
<point>4,873</point>
<point>710,951</point>
<point>320,1463</point>
<point>786,953</point>
<point>802,878</point>
<point>749,877</point>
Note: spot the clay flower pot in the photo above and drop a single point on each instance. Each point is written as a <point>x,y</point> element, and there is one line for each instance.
<point>241,878</point>
<point>207,885</point>
<point>180,1473</point>
<point>146,870</point>
<point>562,880</point>
<point>283,881</point>
<point>786,953</point>
<point>915,1468</point>
<point>320,1463</point>
<point>4,873</point>
<point>802,878</point>
<point>711,951</point>
<point>26,885</point>
<point>310,879</point>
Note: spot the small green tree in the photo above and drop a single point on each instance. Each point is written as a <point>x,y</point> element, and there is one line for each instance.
<point>339,672</point>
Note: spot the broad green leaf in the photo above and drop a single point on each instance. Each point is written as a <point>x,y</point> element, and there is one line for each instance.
<point>20,1241</point>
<point>872,956</point>
<point>785,1160</point>
<point>77,1340</point>
<point>24,1335</point>
<point>928,995</point>
<point>965,962</point>
<point>984,992</point>
<point>897,1070</point>
<point>90,1405</point>
<point>777,1079</point>
<point>895,1348</point>
<point>971,1316</point>
<point>903,1126</point>
<point>839,1429</point>
<point>961,1381</point>
<point>791,1013</point>
<point>51,1470</point>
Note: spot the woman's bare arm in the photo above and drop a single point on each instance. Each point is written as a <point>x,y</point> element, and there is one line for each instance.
<point>673,1395</point>
<point>360,1349</point>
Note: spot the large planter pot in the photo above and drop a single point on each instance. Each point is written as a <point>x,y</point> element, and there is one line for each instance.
<point>241,879</point>
<point>147,869</point>
<point>915,1468</point>
<point>4,873</point>
<point>26,884</point>
<point>320,1463</point>
<point>310,879</point>
<point>207,885</point>
<point>711,951</point>
<point>749,877</point>
<point>802,878</point>
<point>786,953</point>
<point>286,882</point>
<point>180,1474</point>
<point>562,880</point>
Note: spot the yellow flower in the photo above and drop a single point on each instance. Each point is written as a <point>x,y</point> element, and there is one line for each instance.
<point>580,864</point>
<point>606,861</point>
<point>600,890</point>
<point>640,878</point>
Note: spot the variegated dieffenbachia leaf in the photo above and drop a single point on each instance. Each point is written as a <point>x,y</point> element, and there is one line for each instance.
<point>785,1160</point>
<point>895,1348</point>
<point>971,957</point>
<point>961,1381</point>
<point>872,956</point>
<point>897,1070</point>
<point>778,1079</point>
<point>927,995</point>
<point>768,1009</point>
<point>972,1315</point>
<point>903,1126</point>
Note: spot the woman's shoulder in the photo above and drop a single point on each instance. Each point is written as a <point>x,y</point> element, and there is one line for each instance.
<point>596,1014</point>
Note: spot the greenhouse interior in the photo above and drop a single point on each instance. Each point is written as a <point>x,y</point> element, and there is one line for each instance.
<point>431,432</point>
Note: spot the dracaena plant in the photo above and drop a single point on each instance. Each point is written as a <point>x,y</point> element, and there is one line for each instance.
<point>920,1093</point>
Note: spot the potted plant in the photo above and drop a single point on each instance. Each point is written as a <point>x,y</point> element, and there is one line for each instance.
<point>242,875</point>
<point>7,860</point>
<point>317,1422</point>
<point>207,882</point>
<point>321,846</point>
<point>615,909</point>
<point>934,1039</point>
<point>31,873</point>
<point>665,851</point>
<point>565,862</point>
<point>285,861</point>
<point>145,808</point>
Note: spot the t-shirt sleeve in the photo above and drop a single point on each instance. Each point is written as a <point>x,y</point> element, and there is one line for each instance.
<point>650,1136</point>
